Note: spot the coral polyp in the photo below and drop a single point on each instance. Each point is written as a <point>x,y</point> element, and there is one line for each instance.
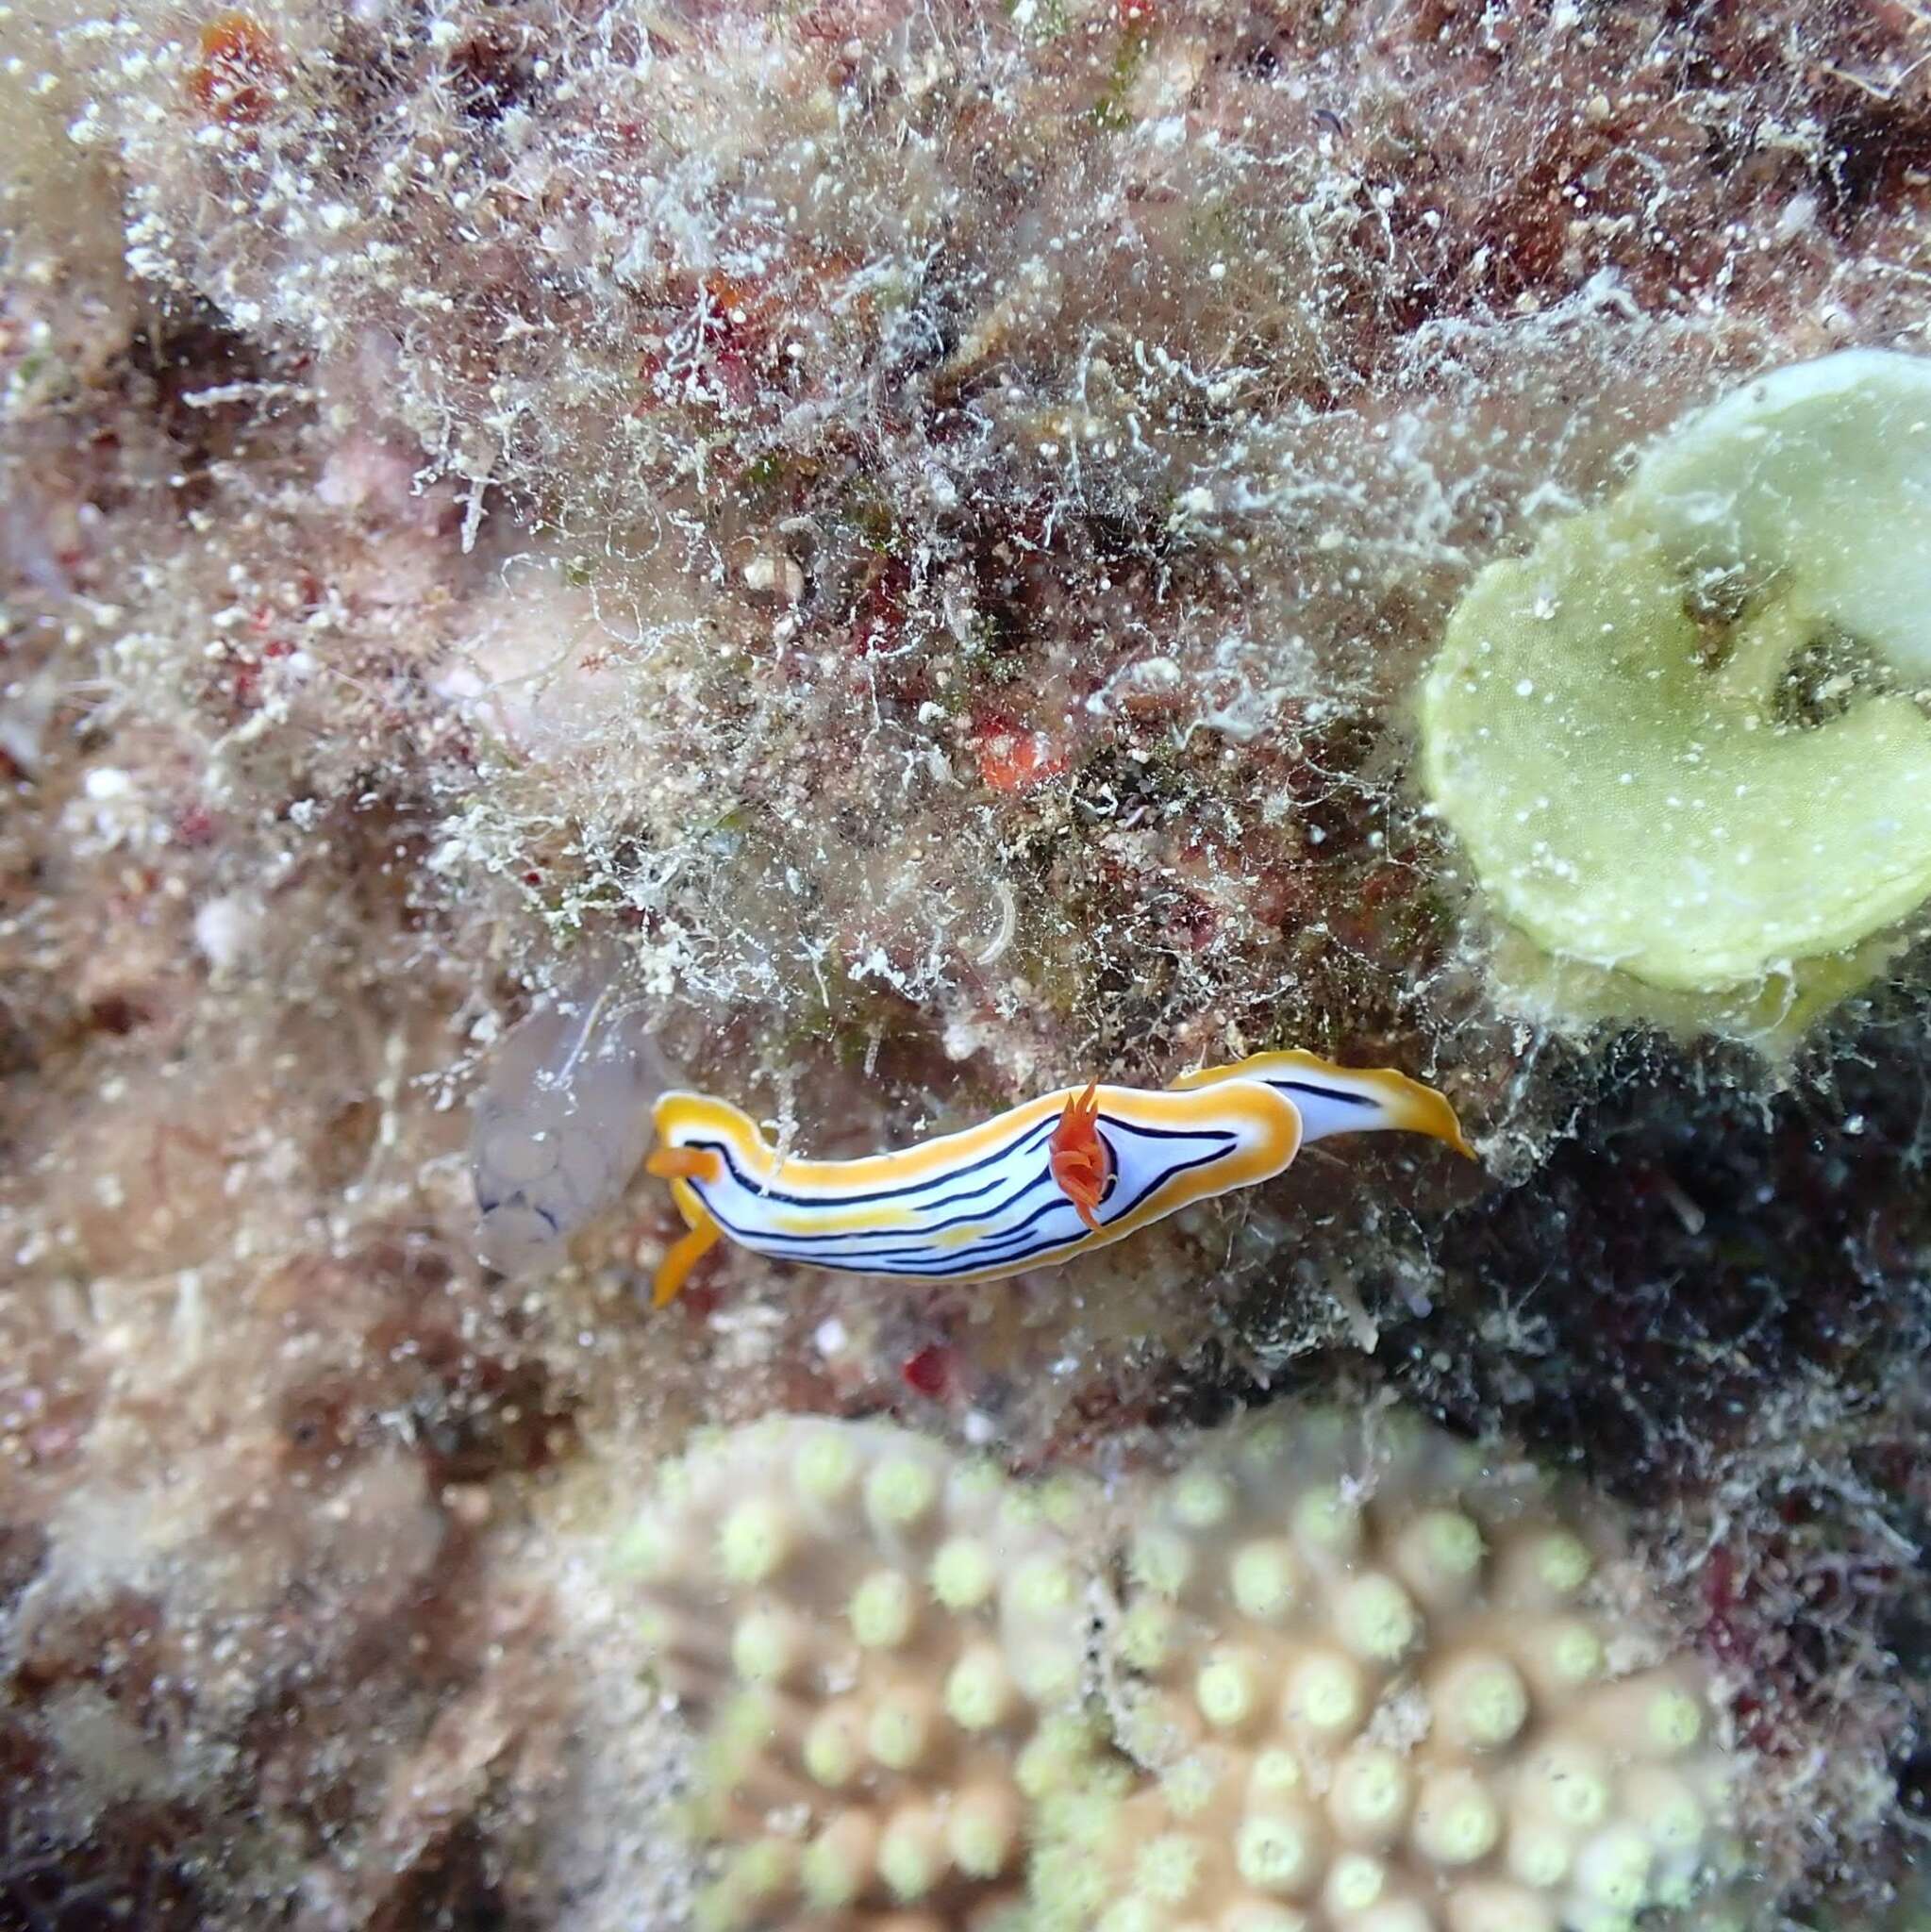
<point>886,1646</point>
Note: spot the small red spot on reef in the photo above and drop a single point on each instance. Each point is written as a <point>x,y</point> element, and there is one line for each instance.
<point>195,826</point>
<point>928,1373</point>
<point>240,65</point>
<point>1012,759</point>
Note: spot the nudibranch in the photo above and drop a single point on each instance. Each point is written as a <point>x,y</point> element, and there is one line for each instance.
<point>1072,1170</point>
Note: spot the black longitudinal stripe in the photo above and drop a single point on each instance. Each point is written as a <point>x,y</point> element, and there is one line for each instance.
<point>966,1193</point>
<point>1326,1093</point>
<point>901,1240</point>
<point>1038,1131</point>
<point>993,1252</point>
<point>970,1260</point>
<point>758,1240</point>
<point>897,1235</point>
<point>944,1271</point>
<point>978,1255</point>
<point>1037,1128</point>
<point>811,1246</point>
<point>900,1237</point>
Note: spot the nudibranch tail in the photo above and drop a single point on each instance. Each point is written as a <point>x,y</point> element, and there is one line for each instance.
<point>1079,1160</point>
<point>1343,1100</point>
<point>1423,1110</point>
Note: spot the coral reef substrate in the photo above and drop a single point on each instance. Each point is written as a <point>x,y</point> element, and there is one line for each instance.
<point>901,539</point>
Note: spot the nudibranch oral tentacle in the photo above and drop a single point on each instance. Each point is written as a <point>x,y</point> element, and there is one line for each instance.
<point>1070,1170</point>
<point>680,1166</point>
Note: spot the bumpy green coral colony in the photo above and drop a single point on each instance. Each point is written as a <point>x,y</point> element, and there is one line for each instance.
<point>1358,1679</point>
<point>1678,739</point>
<point>1362,1671</point>
<point>887,1647</point>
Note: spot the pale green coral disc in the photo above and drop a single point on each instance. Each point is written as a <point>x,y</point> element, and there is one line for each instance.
<point>1818,474</point>
<point>1629,800</point>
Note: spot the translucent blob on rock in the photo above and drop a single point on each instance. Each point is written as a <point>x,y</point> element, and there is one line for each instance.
<point>563,1122</point>
<point>1666,736</point>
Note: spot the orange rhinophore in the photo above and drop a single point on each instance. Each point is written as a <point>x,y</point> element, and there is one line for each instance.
<point>686,1164</point>
<point>1079,1160</point>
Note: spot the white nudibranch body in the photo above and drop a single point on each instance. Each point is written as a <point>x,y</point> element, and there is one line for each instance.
<point>561,1123</point>
<point>1056,1176</point>
<point>577,1090</point>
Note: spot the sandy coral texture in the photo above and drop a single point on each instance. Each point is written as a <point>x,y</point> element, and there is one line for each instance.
<point>1375,1694</point>
<point>886,1646</point>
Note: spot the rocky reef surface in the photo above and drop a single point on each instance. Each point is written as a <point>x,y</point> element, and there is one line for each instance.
<point>877,560</point>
